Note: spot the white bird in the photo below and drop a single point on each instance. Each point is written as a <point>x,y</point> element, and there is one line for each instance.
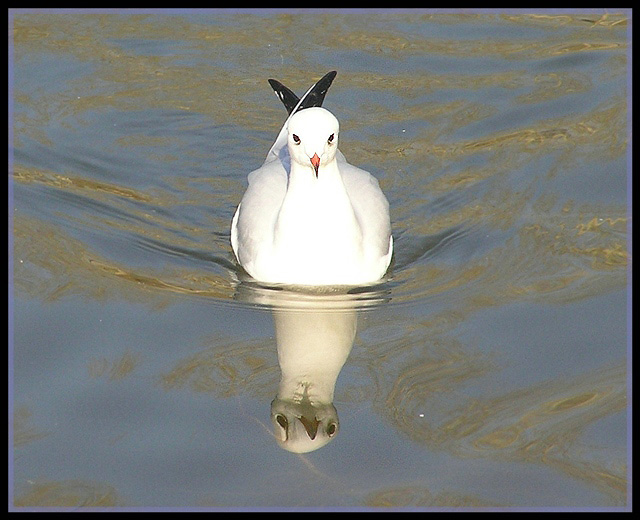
<point>309,217</point>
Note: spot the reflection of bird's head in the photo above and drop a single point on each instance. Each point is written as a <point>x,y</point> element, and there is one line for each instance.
<point>301,426</point>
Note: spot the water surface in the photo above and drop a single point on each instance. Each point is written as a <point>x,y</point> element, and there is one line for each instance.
<point>489,370</point>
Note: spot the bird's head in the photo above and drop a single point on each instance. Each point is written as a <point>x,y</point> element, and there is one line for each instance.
<point>301,427</point>
<point>313,138</point>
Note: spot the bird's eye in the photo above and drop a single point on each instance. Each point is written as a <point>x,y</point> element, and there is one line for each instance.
<point>282,421</point>
<point>331,138</point>
<point>296,139</point>
<point>331,429</point>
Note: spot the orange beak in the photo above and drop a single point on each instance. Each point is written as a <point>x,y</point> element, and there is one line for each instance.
<point>315,161</point>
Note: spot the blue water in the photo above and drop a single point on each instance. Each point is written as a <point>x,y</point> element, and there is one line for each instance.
<point>489,370</point>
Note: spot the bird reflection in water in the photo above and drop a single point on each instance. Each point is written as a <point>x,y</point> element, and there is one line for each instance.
<point>314,336</point>
<point>313,345</point>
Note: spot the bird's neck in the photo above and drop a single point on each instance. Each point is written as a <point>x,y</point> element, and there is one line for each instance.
<point>316,207</point>
<point>312,349</point>
<point>303,178</point>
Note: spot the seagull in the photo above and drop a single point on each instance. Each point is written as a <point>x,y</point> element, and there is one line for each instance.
<point>308,217</point>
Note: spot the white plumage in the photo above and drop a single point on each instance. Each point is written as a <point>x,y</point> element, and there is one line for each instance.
<point>308,217</point>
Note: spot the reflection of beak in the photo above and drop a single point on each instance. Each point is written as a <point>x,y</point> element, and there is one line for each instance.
<point>310,425</point>
<point>315,161</point>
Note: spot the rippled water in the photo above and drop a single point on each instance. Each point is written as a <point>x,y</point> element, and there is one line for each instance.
<point>488,370</point>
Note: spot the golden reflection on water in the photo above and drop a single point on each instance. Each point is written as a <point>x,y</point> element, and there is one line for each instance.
<point>227,368</point>
<point>150,80</point>
<point>23,432</point>
<point>541,424</point>
<point>595,135</point>
<point>114,370</point>
<point>49,264</point>
<point>68,494</point>
<point>610,20</point>
<point>75,184</point>
<point>414,496</point>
